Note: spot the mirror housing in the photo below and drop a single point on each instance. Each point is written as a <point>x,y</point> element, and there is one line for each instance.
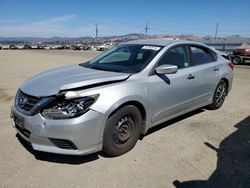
<point>166,69</point>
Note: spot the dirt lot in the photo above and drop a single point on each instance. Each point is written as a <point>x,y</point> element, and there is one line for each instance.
<point>202,148</point>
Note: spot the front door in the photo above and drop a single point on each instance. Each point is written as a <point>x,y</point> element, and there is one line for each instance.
<point>172,93</point>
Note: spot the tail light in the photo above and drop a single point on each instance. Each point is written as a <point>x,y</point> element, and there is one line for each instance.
<point>231,65</point>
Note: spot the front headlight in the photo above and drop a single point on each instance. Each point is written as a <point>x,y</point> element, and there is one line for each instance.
<point>63,108</point>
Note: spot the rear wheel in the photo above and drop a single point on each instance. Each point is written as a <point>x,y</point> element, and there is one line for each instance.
<point>122,131</point>
<point>219,95</point>
<point>237,60</point>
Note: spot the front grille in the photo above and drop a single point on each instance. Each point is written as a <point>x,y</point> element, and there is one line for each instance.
<point>63,144</point>
<point>25,102</point>
<point>25,132</point>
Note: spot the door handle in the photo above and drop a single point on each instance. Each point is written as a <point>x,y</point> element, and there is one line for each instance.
<point>191,77</point>
<point>216,68</point>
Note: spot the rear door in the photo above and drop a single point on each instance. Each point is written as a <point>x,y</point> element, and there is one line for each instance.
<point>206,70</point>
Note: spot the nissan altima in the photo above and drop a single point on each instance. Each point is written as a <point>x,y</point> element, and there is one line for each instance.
<point>108,102</point>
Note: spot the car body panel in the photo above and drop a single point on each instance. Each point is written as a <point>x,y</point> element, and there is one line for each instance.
<point>73,76</point>
<point>206,78</point>
<point>242,51</point>
<point>170,93</point>
<point>85,132</point>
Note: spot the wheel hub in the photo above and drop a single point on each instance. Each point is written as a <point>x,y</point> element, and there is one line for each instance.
<point>220,94</point>
<point>123,129</point>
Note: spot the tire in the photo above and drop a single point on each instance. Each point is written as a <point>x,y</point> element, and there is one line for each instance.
<point>237,60</point>
<point>122,130</point>
<point>219,95</point>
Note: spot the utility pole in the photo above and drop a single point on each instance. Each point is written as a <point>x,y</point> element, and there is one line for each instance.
<point>146,30</point>
<point>96,31</point>
<point>96,35</point>
<point>216,31</point>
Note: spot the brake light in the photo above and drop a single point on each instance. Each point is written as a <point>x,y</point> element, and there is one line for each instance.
<point>248,50</point>
<point>231,65</point>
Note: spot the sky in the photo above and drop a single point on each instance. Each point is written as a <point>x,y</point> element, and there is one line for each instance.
<point>75,18</point>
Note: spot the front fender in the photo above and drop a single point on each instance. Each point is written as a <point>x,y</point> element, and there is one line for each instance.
<point>112,97</point>
<point>124,100</point>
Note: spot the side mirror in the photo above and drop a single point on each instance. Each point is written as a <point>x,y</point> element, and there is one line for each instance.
<point>166,69</point>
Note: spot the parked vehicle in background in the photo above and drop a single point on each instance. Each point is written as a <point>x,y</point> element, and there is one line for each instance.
<point>27,46</point>
<point>80,47</point>
<point>241,54</point>
<point>34,47</point>
<point>5,47</point>
<point>13,47</point>
<point>223,54</point>
<point>105,46</point>
<point>108,102</point>
<point>47,47</point>
<point>20,47</point>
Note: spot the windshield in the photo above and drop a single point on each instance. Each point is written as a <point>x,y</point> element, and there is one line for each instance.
<point>124,58</point>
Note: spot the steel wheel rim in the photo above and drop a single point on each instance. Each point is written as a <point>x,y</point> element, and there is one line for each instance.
<point>220,94</point>
<point>123,129</point>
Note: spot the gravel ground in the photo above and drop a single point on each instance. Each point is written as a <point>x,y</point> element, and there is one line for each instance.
<point>200,149</point>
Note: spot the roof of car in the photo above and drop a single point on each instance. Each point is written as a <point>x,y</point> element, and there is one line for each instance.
<point>158,42</point>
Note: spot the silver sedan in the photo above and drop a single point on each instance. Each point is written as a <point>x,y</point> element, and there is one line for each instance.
<point>108,102</point>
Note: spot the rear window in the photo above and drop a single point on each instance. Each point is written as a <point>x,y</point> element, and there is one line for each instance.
<point>201,55</point>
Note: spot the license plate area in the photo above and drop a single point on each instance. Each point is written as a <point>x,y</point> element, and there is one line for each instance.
<point>19,124</point>
<point>18,120</point>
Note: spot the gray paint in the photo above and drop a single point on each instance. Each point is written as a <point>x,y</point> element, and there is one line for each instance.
<point>74,76</point>
<point>163,97</point>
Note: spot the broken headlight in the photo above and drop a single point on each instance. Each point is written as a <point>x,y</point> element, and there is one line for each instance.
<point>63,108</point>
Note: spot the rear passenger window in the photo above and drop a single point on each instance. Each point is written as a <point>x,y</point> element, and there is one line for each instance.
<point>175,56</point>
<point>200,55</point>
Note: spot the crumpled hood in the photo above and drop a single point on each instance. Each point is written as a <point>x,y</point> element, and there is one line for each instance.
<point>74,76</point>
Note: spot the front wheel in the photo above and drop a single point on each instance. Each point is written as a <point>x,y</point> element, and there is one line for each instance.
<point>219,95</point>
<point>122,130</point>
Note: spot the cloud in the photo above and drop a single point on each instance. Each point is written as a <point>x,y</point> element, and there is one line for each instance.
<point>55,26</point>
<point>10,21</point>
<point>56,20</point>
<point>63,26</point>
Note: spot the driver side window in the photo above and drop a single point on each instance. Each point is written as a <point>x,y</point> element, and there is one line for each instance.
<point>175,56</point>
